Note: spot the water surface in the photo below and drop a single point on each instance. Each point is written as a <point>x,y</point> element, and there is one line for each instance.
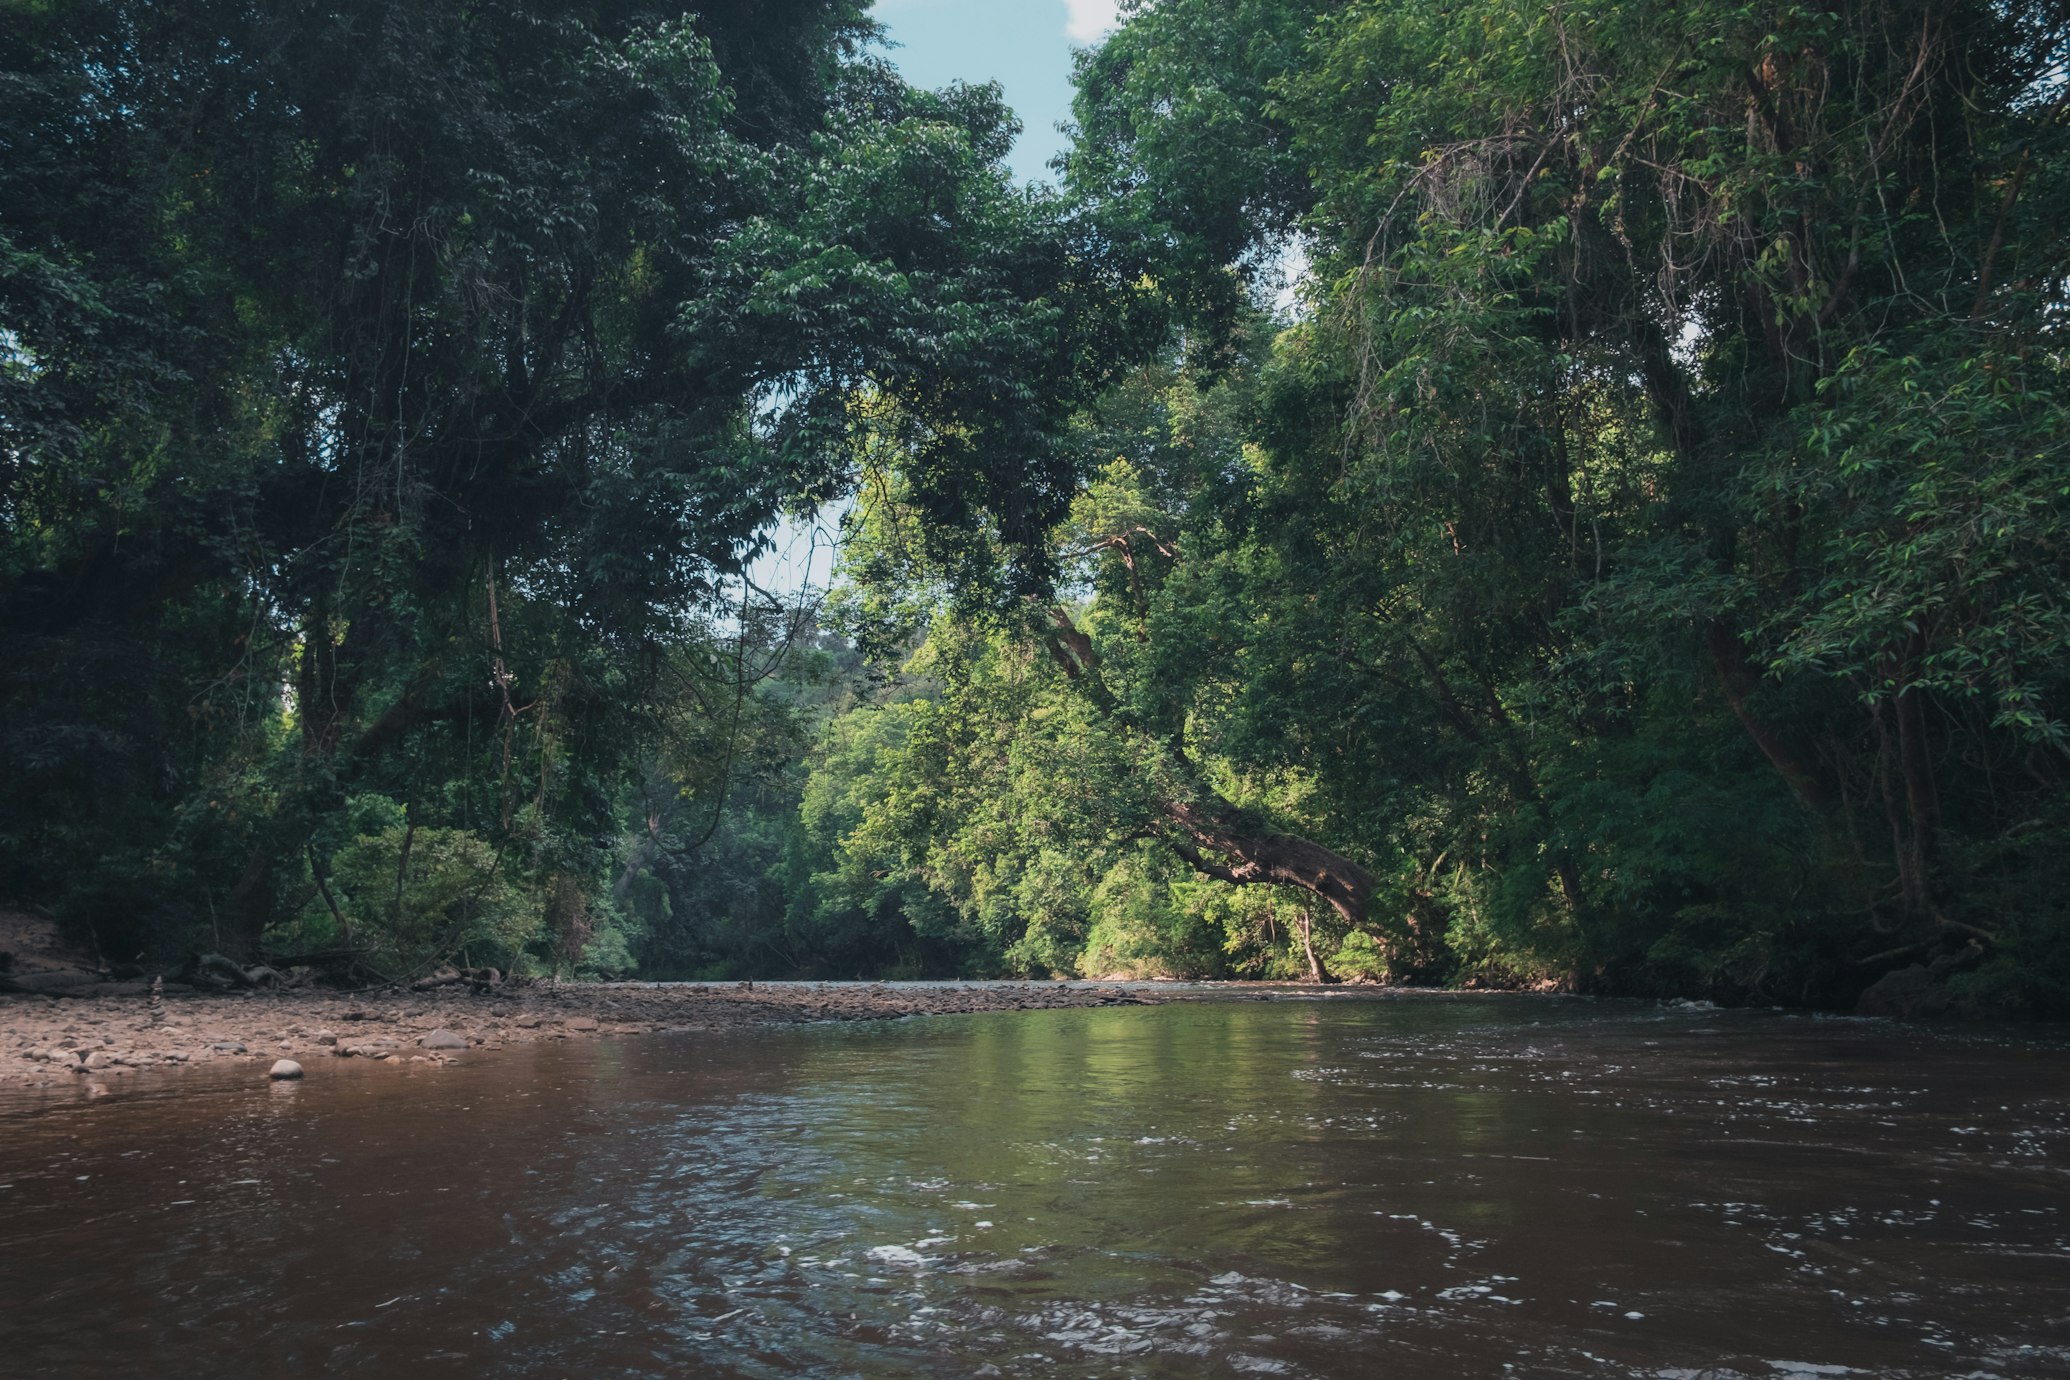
<point>1400,1185</point>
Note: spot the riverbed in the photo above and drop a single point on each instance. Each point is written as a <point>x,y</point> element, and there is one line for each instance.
<point>1378,1184</point>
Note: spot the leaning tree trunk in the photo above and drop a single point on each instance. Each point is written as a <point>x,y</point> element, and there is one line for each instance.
<point>1214,837</point>
<point>1221,844</point>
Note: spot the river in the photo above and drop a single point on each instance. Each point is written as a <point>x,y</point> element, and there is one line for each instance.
<point>1390,1185</point>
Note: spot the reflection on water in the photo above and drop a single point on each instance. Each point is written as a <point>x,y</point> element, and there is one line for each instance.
<point>1396,1186</point>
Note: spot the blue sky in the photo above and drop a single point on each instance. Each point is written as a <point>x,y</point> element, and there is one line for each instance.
<point>1024,45</point>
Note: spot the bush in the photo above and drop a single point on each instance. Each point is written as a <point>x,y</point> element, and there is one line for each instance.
<point>416,897</point>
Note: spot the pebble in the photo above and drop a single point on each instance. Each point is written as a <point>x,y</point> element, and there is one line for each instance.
<point>285,1068</point>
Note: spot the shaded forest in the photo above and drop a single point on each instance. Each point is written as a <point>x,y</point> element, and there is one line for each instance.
<point>1631,558</point>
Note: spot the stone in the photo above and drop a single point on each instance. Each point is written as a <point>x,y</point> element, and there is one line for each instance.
<point>528,1021</point>
<point>228,1046</point>
<point>579,1023</point>
<point>1921,990</point>
<point>443,1039</point>
<point>284,1069</point>
<point>99,1060</point>
<point>1908,992</point>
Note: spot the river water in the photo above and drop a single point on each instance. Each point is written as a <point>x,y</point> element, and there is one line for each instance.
<point>1380,1186</point>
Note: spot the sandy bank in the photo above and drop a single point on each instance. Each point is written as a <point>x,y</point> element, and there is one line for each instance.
<point>82,1039</point>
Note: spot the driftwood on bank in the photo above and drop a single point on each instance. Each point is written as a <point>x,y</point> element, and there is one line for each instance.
<point>478,978</point>
<point>220,971</point>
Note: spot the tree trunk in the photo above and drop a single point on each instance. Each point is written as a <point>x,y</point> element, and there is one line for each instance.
<point>1739,679</point>
<point>253,898</point>
<point>1316,971</point>
<point>1214,838</point>
<point>1220,844</point>
<point>1911,803</point>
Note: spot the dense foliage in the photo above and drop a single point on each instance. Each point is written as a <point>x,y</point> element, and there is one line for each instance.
<point>389,397</point>
<point>1640,562</point>
<point>1636,560</point>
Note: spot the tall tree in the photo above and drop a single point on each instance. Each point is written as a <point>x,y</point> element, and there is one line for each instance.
<point>1679,399</point>
<point>390,394</point>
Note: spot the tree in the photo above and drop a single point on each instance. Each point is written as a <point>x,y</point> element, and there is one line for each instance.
<point>1667,412</point>
<point>392,394</point>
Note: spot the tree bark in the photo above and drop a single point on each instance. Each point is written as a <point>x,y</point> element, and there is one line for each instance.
<point>1738,680</point>
<point>1215,838</point>
<point>1219,844</point>
<point>1316,972</point>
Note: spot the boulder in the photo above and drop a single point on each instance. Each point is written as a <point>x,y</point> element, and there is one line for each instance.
<point>284,1069</point>
<point>443,1039</point>
<point>1921,990</point>
<point>1914,991</point>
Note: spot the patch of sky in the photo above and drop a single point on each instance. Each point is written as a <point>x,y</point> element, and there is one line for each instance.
<point>1024,45</point>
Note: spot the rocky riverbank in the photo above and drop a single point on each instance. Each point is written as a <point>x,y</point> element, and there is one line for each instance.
<point>89,1039</point>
